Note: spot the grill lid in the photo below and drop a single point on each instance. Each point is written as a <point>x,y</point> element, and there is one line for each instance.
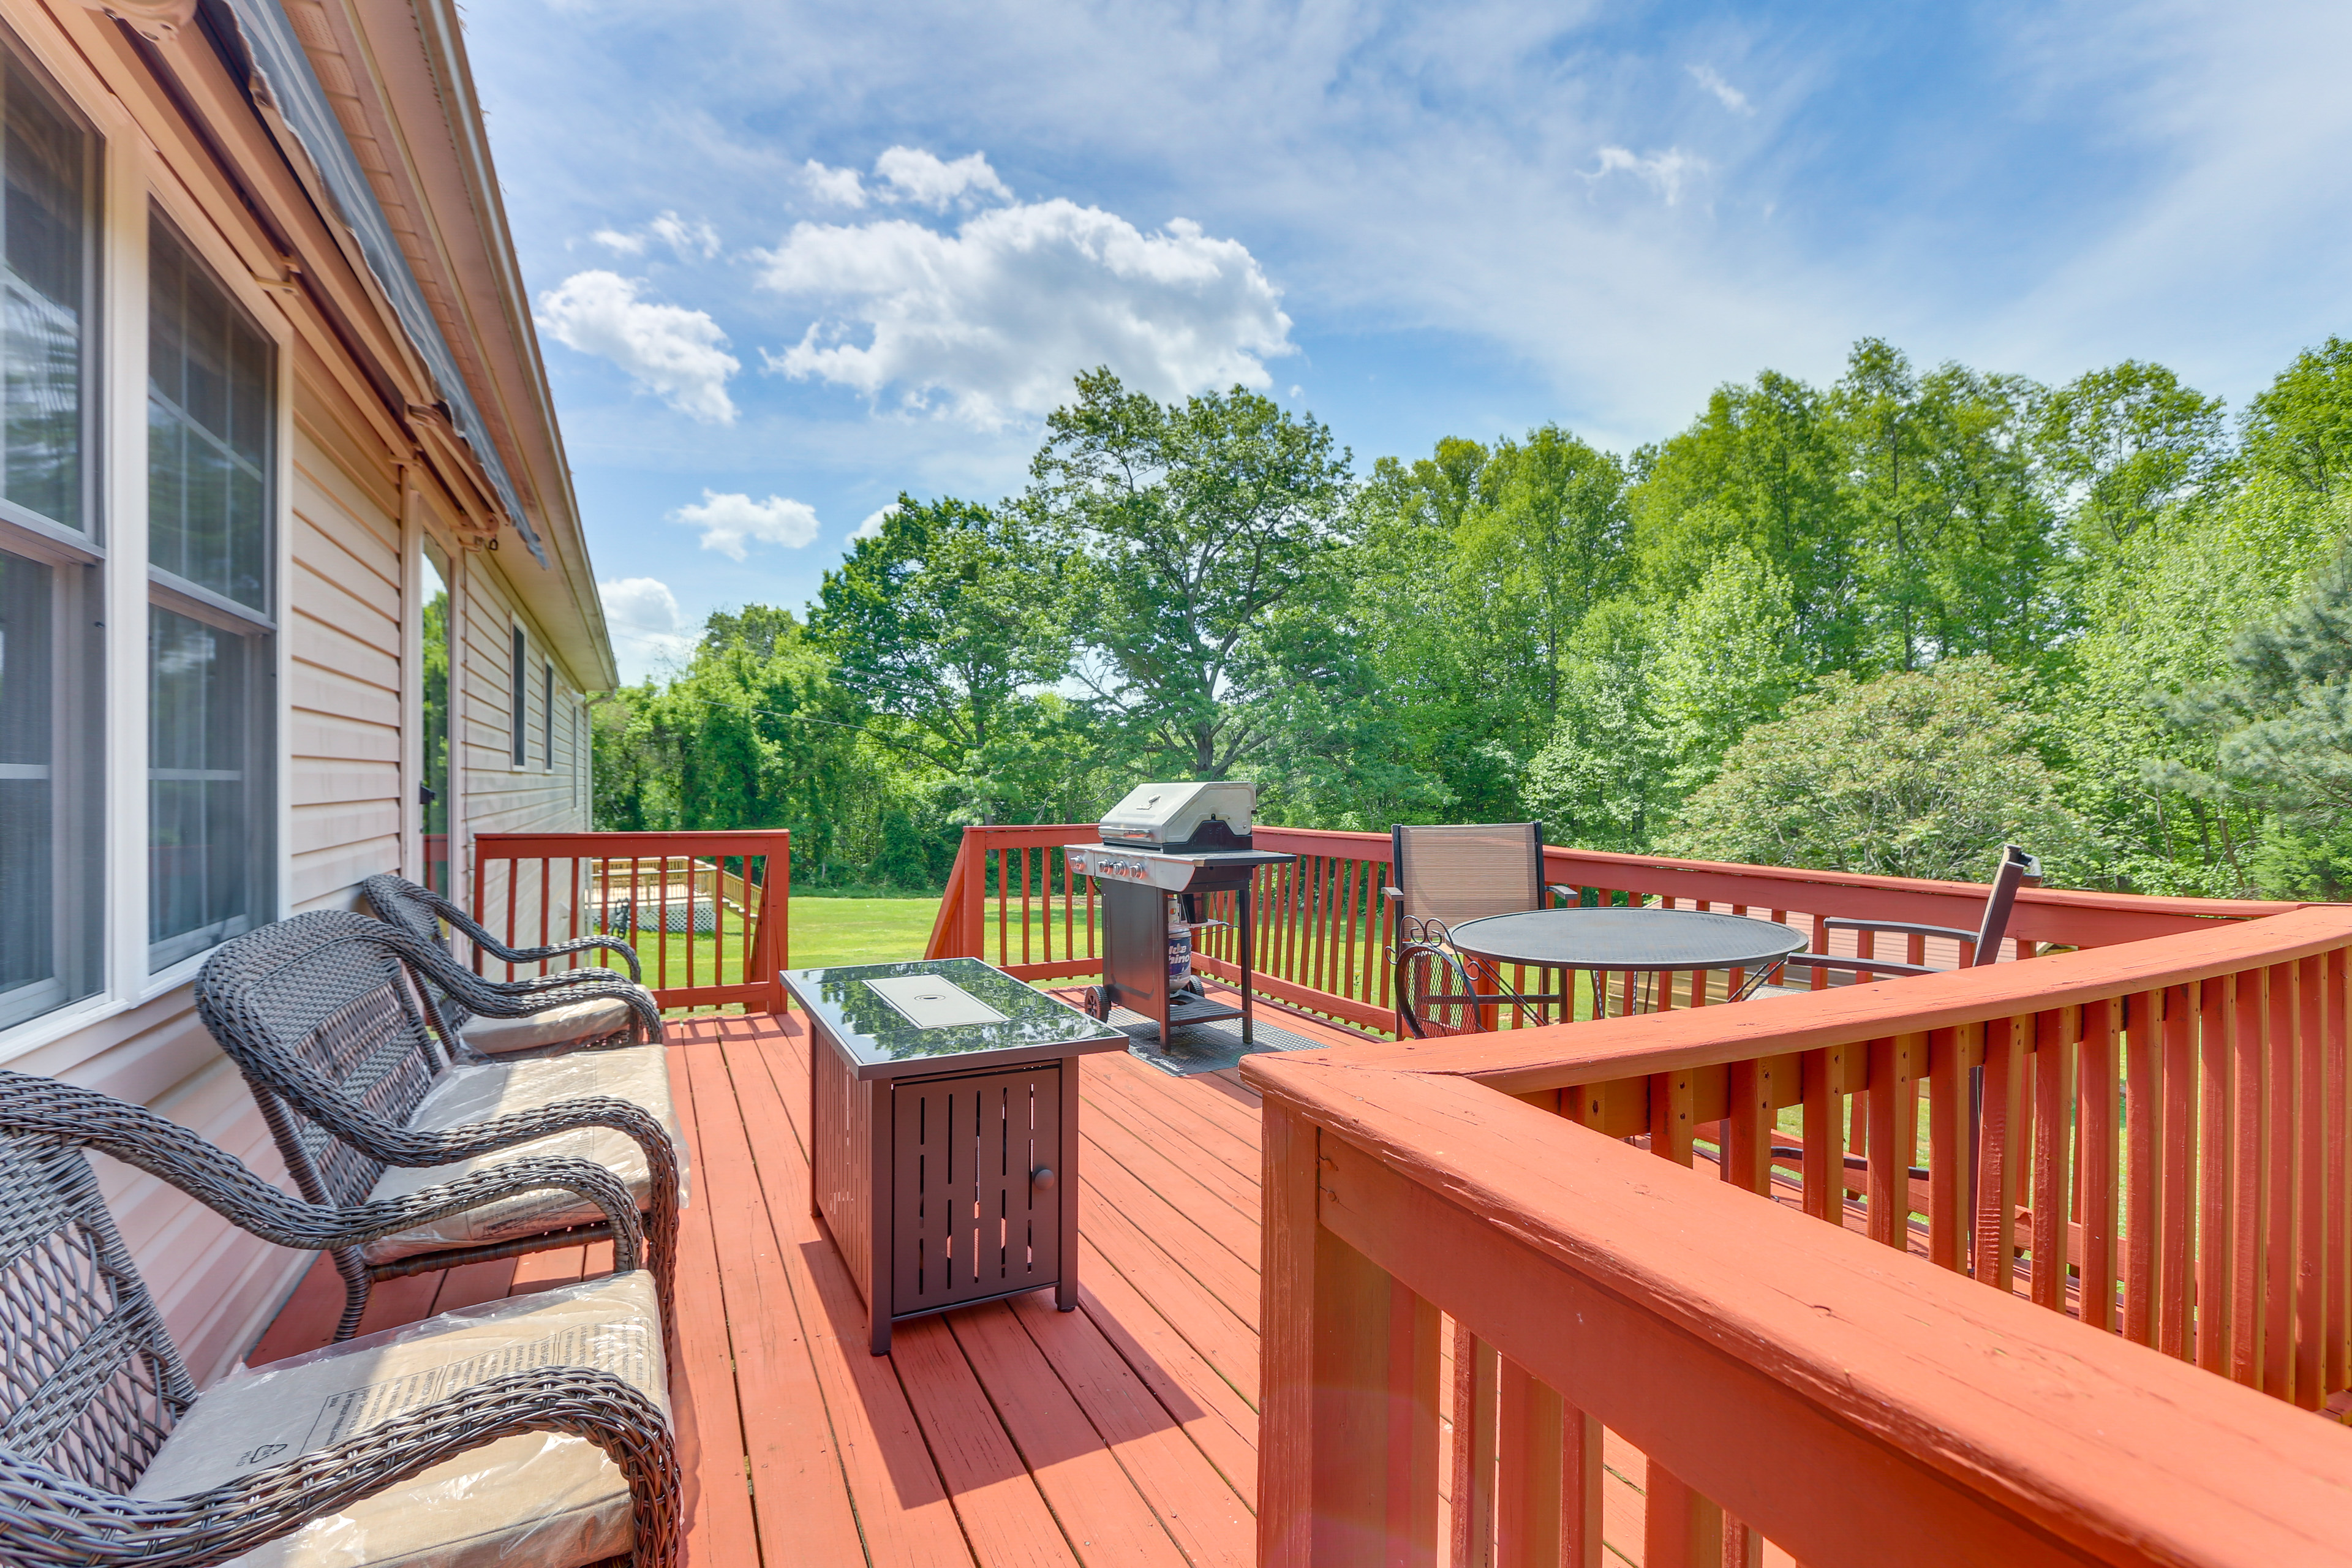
<point>1213,813</point>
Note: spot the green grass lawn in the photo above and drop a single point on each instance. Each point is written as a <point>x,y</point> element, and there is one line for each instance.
<point>859,930</point>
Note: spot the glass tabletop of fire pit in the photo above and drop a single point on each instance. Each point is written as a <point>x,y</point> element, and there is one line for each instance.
<point>892,1019</point>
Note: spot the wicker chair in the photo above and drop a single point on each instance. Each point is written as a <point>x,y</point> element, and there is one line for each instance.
<point>553,1013</point>
<point>91,1387</point>
<point>319,1014</point>
<point>1444,875</point>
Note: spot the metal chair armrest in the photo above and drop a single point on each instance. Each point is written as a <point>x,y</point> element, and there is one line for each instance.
<point>58,1522</point>
<point>1877,965</point>
<point>1569,896</point>
<point>1902,927</point>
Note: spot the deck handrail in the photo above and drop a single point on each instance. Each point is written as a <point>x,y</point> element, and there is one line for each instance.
<point>531,888</point>
<point>2158,1128</point>
<point>1786,1380</point>
<point>1323,929</point>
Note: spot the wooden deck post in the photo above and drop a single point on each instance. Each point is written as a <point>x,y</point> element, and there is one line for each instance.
<point>1348,1374</point>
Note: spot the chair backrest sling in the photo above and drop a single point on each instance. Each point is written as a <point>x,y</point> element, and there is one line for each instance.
<point>1451,873</point>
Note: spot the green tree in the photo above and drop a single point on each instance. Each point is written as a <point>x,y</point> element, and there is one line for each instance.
<point>945,624</point>
<point>1190,523</point>
<point>1958,535</point>
<point>2120,444</point>
<point>1604,779</point>
<point>2300,427</point>
<point>1914,774</point>
<point>1762,467</point>
<point>1726,661</point>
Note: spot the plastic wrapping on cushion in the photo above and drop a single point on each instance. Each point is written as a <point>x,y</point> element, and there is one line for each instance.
<point>539,1498</point>
<point>464,1095</point>
<point>557,1025</point>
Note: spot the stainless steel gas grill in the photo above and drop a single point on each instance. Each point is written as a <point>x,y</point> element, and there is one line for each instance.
<point>1164,841</point>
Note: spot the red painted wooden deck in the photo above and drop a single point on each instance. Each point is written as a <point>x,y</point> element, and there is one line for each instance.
<point>1124,1433</point>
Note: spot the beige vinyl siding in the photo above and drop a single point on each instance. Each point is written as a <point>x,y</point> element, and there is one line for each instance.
<point>500,797</point>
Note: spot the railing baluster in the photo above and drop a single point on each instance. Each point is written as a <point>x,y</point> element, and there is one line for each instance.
<point>2176,1306</point>
<point>2145,1172</point>
<point>1529,1470</point>
<point>2094,1147</point>
<point>1476,1377</point>
<point>2054,1125</point>
<point>2309,1100</point>
<point>2279,1025</point>
<point>1998,1154</point>
<point>2336,1034</point>
<point>1680,1528</point>
<point>2251,1175</point>
<point>1894,1135</point>
<point>1951,1053</point>
<point>2217,1013</point>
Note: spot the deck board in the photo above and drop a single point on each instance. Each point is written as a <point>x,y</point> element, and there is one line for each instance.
<point>1124,1432</point>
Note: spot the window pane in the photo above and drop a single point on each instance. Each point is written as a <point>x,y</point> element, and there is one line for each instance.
<point>208,428</point>
<point>207,795</point>
<point>49,863</point>
<point>44,237</point>
<point>518,700</point>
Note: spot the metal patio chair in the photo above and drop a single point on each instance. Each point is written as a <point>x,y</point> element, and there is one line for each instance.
<point>93,1393</point>
<point>319,1014</point>
<point>1982,945</point>
<point>550,1013</point>
<point>1444,875</point>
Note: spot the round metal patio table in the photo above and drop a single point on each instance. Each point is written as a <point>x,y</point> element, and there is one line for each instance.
<point>1630,941</point>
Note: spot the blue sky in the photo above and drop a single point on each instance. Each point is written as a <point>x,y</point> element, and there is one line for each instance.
<point>790,260</point>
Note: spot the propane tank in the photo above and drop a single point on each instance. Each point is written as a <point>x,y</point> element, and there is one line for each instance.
<point>1180,945</point>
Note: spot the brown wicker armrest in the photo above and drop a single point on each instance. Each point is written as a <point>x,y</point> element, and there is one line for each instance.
<point>401,902</point>
<point>54,1521</point>
<point>44,1108</point>
<point>520,998</point>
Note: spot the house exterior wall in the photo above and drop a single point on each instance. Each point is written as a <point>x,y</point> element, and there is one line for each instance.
<point>356,499</point>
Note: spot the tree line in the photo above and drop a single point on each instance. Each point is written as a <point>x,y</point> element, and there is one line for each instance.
<point>1883,625</point>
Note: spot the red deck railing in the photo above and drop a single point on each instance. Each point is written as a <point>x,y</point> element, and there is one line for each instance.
<point>2179,1102</point>
<point>708,913</point>
<point>1322,927</point>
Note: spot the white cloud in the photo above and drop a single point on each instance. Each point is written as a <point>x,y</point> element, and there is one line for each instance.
<point>872,527</point>
<point>840,187</point>
<point>915,176</point>
<point>1665,170</point>
<point>669,349</point>
<point>1730,97</point>
<point>728,522</point>
<point>989,324</point>
<point>695,238</point>
<point>643,616</point>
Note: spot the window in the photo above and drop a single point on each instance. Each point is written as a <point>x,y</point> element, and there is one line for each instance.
<point>51,660</point>
<point>546,718</point>
<point>518,700</point>
<point>211,428</point>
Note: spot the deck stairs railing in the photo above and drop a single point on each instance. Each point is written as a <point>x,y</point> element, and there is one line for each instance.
<point>708,913</point>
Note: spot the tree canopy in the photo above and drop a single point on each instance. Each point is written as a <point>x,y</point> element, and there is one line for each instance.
<point>1884,623</point>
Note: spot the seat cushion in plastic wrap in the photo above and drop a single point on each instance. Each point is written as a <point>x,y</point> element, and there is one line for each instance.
<point>566,1023</point>
<point>464,1095</point>
<point>539,1498</point>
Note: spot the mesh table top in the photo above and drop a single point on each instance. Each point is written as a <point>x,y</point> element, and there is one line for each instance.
<point>1628,939</point>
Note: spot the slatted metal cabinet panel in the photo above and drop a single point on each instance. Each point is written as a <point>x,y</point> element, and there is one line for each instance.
<point>970,1222</point>
<point>841,1176</point>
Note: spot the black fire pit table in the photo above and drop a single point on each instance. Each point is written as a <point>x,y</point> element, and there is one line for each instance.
<point>1639,941</point>
<point>943,1150</point>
